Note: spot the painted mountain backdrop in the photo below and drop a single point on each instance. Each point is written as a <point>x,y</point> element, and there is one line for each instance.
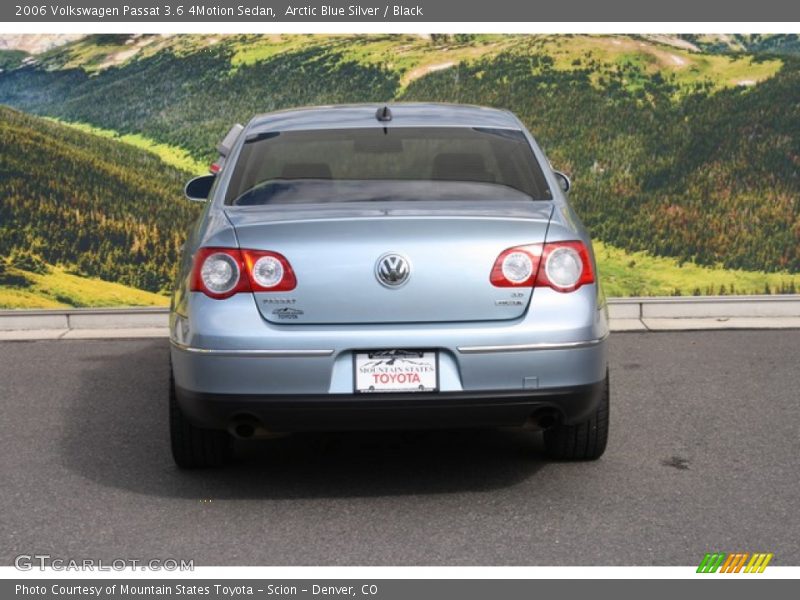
<point>684,150</point>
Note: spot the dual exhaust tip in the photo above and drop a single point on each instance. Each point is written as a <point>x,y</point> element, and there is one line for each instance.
<point>246,427</point>
<point>544,418</point>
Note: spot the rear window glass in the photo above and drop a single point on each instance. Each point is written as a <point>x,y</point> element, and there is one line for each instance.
<point>334,165</point>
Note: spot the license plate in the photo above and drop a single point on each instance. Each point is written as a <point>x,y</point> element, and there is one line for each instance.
<point>396,371</point>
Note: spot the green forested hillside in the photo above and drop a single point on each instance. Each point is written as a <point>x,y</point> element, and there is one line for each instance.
<point>753,43</point>
<point>94,206</point>
<point>11,59</point>
<point>79,212</point>
<point>54,287</point>
<point>713,178</point>
<point>191,100</point>
<point>677,153</point>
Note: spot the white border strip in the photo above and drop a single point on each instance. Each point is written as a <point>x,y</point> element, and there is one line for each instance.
<point>377,573</point>
<point>773,572</point>
<point>511,27</point>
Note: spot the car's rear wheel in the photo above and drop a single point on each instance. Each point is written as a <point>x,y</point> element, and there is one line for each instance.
<point>192,446</point>
<point>581,441</point>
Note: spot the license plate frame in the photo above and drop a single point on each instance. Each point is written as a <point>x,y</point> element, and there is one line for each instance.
<point>417,375</point>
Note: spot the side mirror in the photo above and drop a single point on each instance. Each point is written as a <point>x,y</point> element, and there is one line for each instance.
<point>563,181</point>
<point>197,189</point>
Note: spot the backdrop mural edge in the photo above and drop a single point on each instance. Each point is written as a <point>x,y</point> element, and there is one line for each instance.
<point>404,11</point>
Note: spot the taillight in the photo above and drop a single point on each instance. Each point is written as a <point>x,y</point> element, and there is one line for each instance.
<point>222,272</point>
<point>269,271</point>
<point>516,267</point>
<point>565,266</point>
<point>562,266</point>
<point>217,272</point>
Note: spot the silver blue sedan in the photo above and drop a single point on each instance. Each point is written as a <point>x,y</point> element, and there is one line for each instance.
<point>386,267</point>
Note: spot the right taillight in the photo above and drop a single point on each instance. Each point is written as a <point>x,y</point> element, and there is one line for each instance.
<point>562,266</point>
<point>222,272</point>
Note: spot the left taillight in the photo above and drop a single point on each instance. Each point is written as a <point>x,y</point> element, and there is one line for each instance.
<point>222,272</point>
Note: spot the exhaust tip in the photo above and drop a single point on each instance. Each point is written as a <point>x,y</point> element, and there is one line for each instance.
<point>243,427</point>
<point>544,418</point>
<point>246,427</point>
<point>546,421</point>
<point>244,430</point>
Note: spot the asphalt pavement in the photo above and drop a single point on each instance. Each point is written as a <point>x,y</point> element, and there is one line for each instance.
<point>704,455</point>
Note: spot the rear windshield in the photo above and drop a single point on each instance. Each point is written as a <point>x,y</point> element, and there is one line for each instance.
<point>363,165</point>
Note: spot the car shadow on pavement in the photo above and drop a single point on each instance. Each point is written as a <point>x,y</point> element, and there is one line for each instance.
<point>116,434</point>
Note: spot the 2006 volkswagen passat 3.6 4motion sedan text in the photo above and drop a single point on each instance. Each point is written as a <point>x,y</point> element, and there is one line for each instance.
<point>386,267</point>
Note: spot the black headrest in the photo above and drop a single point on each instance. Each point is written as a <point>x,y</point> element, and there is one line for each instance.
<point>306,171</point>
<point>464,166</point>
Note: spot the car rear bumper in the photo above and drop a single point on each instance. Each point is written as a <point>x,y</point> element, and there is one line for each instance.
<point>228,361</point>
<point>298,373</point>
<point>342,412</point>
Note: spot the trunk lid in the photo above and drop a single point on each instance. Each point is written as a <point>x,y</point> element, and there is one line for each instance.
<point>335,250</point>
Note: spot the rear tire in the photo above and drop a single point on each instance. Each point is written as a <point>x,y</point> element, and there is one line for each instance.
<point>192,446</point>
<point>582,441</point>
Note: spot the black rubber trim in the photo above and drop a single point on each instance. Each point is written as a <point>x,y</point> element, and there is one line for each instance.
<point>334,412</point>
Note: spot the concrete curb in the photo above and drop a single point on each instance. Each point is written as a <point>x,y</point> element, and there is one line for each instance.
<point>626,314</point>
<point>83,318</point>
<point>705,312</point>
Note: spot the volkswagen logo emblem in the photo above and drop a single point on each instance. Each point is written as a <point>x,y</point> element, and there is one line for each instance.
<point>392,270</point>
